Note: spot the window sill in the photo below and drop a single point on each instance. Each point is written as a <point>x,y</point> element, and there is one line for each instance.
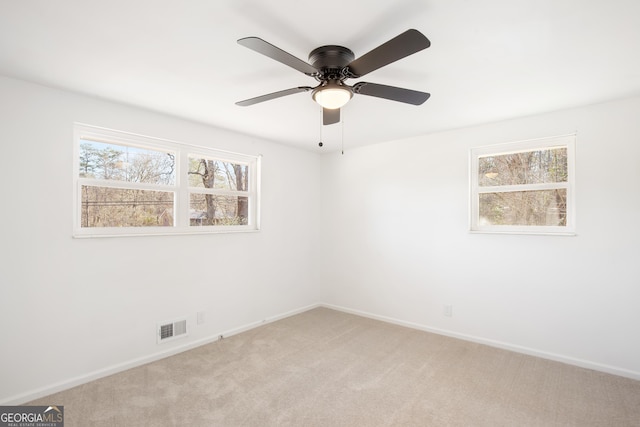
<point>525,232</point>
<point>139,233</point>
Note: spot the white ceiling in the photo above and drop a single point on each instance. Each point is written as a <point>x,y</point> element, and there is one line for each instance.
<point>489,60</point>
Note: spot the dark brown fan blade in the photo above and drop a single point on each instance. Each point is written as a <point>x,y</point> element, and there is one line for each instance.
<point>407,43</point>
<point>273,52</point>
<point>330,116</point>
<point>273,95</point>
<point>392,93</point>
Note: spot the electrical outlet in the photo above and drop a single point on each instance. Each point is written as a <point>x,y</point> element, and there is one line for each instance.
<point>448,310</point>
<point>200,317</point>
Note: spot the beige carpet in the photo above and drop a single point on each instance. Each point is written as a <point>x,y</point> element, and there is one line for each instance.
<point>327,368</point>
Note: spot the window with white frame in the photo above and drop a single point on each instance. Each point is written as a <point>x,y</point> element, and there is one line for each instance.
<point>524,187</point>
<point>127,184</point>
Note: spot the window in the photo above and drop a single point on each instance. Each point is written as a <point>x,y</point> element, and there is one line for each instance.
<point>134,185</point>
<point>524,187</point>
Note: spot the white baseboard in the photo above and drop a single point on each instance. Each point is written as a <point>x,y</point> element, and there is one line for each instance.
<point>82,379</point>
<point>120,367</point>
<point>614,370</point>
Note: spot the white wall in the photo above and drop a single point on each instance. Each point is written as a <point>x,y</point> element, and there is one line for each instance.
<point>388,223</point>
<point>397,243</point>
<point>71,308</point>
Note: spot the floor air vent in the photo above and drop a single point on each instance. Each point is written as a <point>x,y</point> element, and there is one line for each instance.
<point>168,331</point>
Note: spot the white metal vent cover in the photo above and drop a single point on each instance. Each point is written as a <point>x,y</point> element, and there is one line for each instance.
<point>171,330</point>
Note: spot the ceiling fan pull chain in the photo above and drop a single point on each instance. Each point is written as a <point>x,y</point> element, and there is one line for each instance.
<point>343,120</point>
<point>320,144</point>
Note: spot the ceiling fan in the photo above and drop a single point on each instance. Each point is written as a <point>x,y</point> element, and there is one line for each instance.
<point>331,65</point>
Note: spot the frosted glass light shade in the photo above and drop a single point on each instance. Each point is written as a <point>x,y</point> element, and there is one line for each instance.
<point>332,97</point>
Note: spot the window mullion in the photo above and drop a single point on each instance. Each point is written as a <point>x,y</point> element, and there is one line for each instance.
<point>182,199</point>
<point>219,192</point>
<point>523,187</point>
<point>125,185</point>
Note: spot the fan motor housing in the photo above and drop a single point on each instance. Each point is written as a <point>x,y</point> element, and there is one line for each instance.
<point>331,57</point>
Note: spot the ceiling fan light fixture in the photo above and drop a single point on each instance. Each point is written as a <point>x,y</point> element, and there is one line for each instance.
<point>332,95</point>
